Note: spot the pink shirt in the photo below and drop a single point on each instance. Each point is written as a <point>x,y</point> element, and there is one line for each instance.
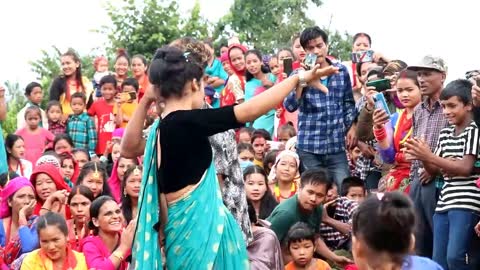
<point>97,254</point>
<point>35,143</point>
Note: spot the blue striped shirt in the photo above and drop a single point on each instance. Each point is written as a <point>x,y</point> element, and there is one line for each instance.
<point>324,119</point>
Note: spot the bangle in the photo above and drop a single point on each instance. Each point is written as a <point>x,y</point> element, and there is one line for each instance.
<point>44,208</point>
<point>118,254</point>
<point>380,134</point>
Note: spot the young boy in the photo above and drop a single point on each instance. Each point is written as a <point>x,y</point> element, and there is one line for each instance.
<point>54,115</point>
<point>353,188</point>
<point>301,246</point>
<point>34,94</point>
<point>458,207</point>
<point>340,209</point>
<point>124,109</point>
<point>102,110</point>
<point>306,206</point>
<point>80,127</point>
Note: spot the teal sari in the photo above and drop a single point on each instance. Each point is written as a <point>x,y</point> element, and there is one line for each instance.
<point>200,232</point>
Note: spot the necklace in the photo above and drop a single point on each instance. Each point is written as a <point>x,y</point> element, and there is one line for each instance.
<point>76,235</point>
<point>278,195</point>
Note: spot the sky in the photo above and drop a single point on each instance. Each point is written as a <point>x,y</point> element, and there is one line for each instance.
<point>406,30</point>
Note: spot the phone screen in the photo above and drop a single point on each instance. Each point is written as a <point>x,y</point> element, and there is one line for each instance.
<point>287,66</point>
<point>133,95</point>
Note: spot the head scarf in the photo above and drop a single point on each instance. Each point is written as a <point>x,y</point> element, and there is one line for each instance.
<point>118,133</point>
<point>10,189</point>
<point>240,73</point>
<point>291,144</point>
<point>76,170</point>
<point>115,183</point>
<point>48,159</point>
<point>224,58</point>
<point>280,156</point>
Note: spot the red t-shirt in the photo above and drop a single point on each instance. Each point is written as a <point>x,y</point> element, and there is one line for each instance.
<point>105,123</point>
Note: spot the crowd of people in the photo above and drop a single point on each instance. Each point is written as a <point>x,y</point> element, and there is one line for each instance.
<point>224,158</point>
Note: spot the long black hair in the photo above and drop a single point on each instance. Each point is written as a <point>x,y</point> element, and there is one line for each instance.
<point>94,166</point>
<point>95,210</point>
<point>263,68</point>
<point>267,202</point>
<point>10,141</point>
<point>127,205</point>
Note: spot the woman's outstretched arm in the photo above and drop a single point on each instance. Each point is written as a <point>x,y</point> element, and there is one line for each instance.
<point>269,99</point>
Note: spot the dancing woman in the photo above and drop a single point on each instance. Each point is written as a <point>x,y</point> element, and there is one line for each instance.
<point>199,231</point>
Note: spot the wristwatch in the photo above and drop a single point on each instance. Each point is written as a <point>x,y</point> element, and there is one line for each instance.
<point>301,78</point>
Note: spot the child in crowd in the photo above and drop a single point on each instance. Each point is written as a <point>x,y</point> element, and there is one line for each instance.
<point>245,155</point>
<point>102,110</point>
<point>68,168</point>
<point>286,132</point>
<point>216,74</point>
<point>54,116</point>
<point>353,188</point>
<point>80,127</point>
<point>101,70</point>
<point>36,138</point>
<point>111,155</point>
<point>81,157</point>
<point>269,160</point>
<point>458,207</point>
<point>34,94</point>
<point>259,143</point>
<point>126,102</point>
<point>245,135</point>
<point>342,210</point>
<point>274,67</point>
<point>94,176</point>
<point>301,246</point>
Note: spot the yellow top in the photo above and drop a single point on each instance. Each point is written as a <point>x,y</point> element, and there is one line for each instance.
<point>34,261</point>
<point>127,111</point>
<point>67,110</point>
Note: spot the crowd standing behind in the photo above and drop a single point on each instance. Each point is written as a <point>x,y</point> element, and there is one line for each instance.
<point>245,161</point>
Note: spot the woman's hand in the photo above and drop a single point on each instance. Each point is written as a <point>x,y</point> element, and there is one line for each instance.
<point>312,77</point>
<point>380,118</point>
<point>150,95</point>
<point>25,212</point>
<point>476,95</point>
<point>370,105</point>
<point>128,234</point>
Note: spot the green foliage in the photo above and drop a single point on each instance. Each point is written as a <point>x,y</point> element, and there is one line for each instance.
<point>143,28</point>
<point>266,24</point>
<point>16,101</point>
<point>340,45</point>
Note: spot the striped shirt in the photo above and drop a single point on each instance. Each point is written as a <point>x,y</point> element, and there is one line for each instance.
<point>344,211</point>
<point>459,192</point>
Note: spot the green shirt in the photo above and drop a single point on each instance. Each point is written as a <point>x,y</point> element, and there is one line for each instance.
<point>287,213</point>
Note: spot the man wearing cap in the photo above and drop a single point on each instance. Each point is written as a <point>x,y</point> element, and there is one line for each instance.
<point>428,121</point>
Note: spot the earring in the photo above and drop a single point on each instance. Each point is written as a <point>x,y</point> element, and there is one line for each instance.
<point>125,192</point>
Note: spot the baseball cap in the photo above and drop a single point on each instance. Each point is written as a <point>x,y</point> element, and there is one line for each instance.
<point>430,62</point>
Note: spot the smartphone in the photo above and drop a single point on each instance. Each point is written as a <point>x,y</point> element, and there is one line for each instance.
<point>288,66</point>
<point>381,103</point>
<point>310,60</point>
<point>380,85</point>
<point>133,95</point>
<point>478,82</point>
<point>362,56</point>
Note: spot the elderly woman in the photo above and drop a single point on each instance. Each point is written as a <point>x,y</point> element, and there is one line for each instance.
<point>17,222</point>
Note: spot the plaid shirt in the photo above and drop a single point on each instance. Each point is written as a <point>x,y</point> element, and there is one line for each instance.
<point>344,213</point>
<point>426,124</point>
<point>324,119</point>
<point>56,127</point>
<point>81,129</point>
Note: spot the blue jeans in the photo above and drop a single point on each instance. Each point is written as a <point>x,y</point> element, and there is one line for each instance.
<point>453,232</point>
<point>335,164</point>
<point>424,199</point>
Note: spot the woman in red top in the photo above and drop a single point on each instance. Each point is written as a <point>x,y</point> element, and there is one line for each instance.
<point>139,70</point>
<point>234,91</point>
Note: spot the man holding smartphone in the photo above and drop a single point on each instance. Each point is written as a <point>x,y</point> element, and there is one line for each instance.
<point>325,122</point>
<point>428,121</point>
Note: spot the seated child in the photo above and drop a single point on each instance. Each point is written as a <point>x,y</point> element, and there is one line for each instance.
<point>342,210</point>
<point>301,246</point>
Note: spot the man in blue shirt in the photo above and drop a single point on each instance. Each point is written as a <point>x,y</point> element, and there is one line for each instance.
<point>325,121</point>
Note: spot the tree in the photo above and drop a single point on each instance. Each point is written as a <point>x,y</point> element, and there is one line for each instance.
<point>142,28</point>
<point>266,24</point>
<point>16,101</point>
<point>269,25</point>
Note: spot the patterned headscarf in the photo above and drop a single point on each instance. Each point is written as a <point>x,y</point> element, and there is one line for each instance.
<point>280,156</point>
